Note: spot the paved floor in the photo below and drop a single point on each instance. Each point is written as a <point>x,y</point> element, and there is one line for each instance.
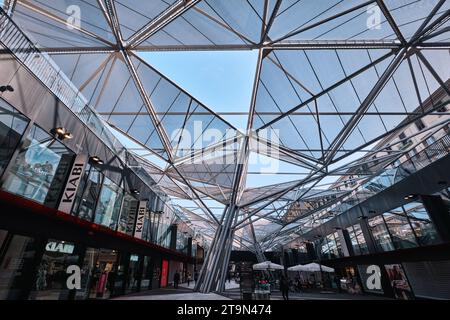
<point>232,292</point>
<point>235,294</point>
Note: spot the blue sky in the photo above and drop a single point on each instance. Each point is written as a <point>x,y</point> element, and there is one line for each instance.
<point>221,80</point>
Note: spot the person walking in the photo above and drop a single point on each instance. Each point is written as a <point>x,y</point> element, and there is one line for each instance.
<point>189,278</point>
<point>284,287</point>
<point>176,279</point>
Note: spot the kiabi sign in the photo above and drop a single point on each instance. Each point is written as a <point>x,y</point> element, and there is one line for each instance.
<point>73,183</point>
<point>140,219</point>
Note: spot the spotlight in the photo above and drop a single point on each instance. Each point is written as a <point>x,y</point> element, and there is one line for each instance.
<point>135,191</point>
<point>362,217</point>
<point>62,134</point>
<point>6,88</point>
<point>96,160</point>
<point>409,197</point>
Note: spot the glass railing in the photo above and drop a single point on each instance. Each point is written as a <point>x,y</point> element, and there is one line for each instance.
<point>384,180</point>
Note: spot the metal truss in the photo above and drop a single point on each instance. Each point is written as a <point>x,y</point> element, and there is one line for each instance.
<point>209,23</point>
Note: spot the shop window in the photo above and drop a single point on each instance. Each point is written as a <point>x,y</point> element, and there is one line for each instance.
<point>12,127</point>
<point>421,223</point>
<point>360,239</point>
<point>401,232</point>
<point>109,204</point>
<point>40,169</point>
<point>354,241</point>
<point>147,273</point>
<point>51,274</point>
<point>86,199</point>
<point>380,234</point>
<point>98,271</point>
<point>119,275</point>
<point>134,274</point>
<point>16,268</point>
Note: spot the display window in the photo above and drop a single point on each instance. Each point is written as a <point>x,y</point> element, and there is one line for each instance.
<point>52,271</point>
<point>133,274</point>
<point>399,282</point>
<point>109,204</point>
<point>12,127</point>
<point>16,266</point>
<point>40,169</point>
<point>98,273</point>
<point>88,193</point>
<point>147,273</point>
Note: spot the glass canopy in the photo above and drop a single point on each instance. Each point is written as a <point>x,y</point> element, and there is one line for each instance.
<point>335,80</point>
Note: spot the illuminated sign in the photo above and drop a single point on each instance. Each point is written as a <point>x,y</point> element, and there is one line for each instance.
<point>60,247</point>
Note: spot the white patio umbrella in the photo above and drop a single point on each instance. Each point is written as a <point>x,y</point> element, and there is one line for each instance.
<point>298,268</point>
<point>315,267</point>
<point>267,265</point>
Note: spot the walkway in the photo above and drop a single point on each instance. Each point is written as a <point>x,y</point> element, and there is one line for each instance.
<point>235,294</point>
<point>232,292</point>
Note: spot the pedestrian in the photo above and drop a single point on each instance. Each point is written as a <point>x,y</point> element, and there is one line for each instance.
<point>189,278</point>
<point>284,287</point>
<point>176,279</point>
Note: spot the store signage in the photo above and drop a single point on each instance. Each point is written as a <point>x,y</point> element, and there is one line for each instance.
<point>60,247</point>
<point>140,219</point>
<point>131,217</point>
<point>73,183</point>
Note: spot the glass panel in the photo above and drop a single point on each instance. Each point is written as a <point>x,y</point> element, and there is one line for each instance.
<point>354,241</point>
<point>108,207</point>
<point>16,268</point>
<point>380,234</point>
<point>361,240</point>
<point>40,169</point>
<point>51,274</point>
<point>97,274</point>
<point>401,232</point>
<point>146,273</point>
<point>12,127</point>
<point>88,195</point>
<point>119,277</point>
<point>421,223</point>
<point>133,274</point>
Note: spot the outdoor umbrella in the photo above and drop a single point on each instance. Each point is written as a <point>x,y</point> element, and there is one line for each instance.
<point>298,268</point>
<point>315,267</point>
<point>267,265</point>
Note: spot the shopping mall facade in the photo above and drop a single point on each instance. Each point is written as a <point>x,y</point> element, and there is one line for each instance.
<point>71,193</point>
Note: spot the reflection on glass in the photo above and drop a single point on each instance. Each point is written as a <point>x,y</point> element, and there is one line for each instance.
<point>40,168</point>
<point>15,268</point>
<point>146,273</point>
<point>12,127</point>
<point>421,223</point>
<point>97,274</point>
<point>109,204</point>
<point>51,275</point>
<point>88,194</point>
<point>134,276</point>
<point>402,234</point>
<point>380,234</point>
